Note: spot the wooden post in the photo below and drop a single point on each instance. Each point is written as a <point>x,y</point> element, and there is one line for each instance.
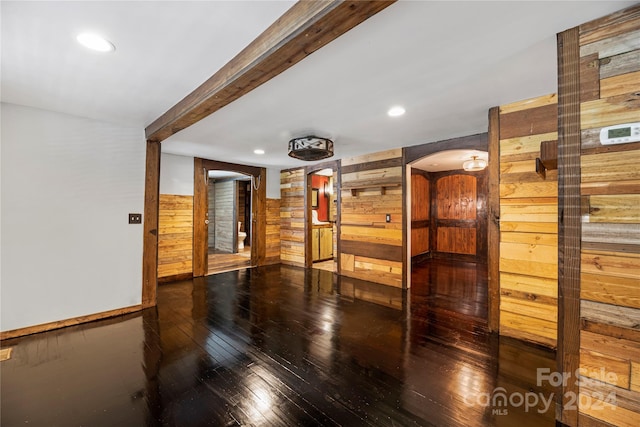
<point>569,226</point>
<point>493,220</point>
<point>150,238</point>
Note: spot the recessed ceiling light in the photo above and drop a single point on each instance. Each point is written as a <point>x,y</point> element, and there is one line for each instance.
<point>95,42</point>
<point>258,151</point>
<point>396,111</point>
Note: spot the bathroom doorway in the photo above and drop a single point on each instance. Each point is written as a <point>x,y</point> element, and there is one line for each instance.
<point>229,215</point>
<point>322,213</point>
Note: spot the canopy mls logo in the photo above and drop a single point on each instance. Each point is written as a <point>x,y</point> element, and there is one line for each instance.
<point>500,401</point>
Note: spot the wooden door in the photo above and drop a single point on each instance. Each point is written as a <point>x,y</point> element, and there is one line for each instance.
<point>419,213</point>
<point>458,216</point>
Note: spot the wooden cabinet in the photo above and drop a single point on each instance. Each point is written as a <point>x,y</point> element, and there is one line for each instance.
<point>322,243</point>
<point>326,243</point>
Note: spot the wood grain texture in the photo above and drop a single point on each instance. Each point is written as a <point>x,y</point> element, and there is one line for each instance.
<point>569,213</point>
<point>456,240</point>
<point>292,218</point>
<point>370,247</point>
<point>303,29</point>
<point>528,104</point>
<point>528,247</point>
<point>627,62</point>
<point>589,77</point>
<point>609,26</point>
<point>622,84</point>
<point>621,43</point>
<point>456,197</point>
<point>200,210</point>
<point>493,219</point>
<point>623,208</point>
<point>175,236</point>
<point>533,121</point>
<point>150,239</point>
<point>272,244</point>
<point>610,111</point>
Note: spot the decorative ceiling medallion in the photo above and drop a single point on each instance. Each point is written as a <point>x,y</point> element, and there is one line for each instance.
<point>310,148</point>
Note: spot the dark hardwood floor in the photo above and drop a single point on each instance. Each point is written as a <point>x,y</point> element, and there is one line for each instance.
<point>280,346</point>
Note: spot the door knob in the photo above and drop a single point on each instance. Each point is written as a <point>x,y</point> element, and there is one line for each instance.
<point>206,221</point>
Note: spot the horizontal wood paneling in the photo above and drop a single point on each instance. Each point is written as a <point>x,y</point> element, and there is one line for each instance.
<point>175,235</point>
<point>528,223</point>
<point>624,63</point>
<point>529,121</point>
<point>371,248</point>
<point>292,231</point>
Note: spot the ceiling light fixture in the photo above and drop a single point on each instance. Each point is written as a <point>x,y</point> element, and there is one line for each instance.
<point>258,151</point>
<point>475,164</point>
<point>310,148</point>
<point>396,111</point>
<point>95,42</point>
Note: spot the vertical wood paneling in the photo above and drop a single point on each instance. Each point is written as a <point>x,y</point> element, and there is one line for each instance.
<point>458,215</point>
<point>292,218</point>
<point>371,189</point>
<point>211,206</point>
<point>420,204</point>
<point>224,216</point>
<point>272,244</point>
<point>610,256</point>
<point>527,217</point>
<point>456,197</point>
<point>175,236</point>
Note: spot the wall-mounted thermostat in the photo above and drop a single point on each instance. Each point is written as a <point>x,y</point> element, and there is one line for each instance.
<point>620,134</point>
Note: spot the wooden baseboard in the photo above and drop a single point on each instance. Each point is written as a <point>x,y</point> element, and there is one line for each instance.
<point>5,335</point>
<point>175,278</point>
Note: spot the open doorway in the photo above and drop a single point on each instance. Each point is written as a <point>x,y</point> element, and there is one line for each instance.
<point>322,217</point>
<point>229,216</point>
<point>447,234</point>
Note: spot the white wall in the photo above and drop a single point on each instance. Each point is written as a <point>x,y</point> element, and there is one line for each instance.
<point>68,184</point>
<point>273,183</point>
<point>176,174</point>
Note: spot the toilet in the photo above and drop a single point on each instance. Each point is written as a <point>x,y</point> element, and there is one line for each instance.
<point>241,236</point>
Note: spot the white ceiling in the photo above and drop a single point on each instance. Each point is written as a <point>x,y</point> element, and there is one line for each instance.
<point>447,63</point>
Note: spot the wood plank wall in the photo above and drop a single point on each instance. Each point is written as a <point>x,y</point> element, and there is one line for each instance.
<point>528,223</point>
<point>420,206</point>
<point>226,230</point>
<point>610,244</point>
<point>272,255</point>
<point>175,236</point>
<point>371,248</point>
<point>292,208</point>
<point>211,209</point>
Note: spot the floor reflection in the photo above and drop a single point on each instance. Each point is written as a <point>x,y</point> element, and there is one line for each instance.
<point>283,346</point>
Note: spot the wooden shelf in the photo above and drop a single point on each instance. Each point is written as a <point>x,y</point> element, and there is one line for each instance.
<point>382,187</point>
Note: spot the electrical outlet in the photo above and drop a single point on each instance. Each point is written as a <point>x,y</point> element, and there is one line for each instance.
<point>388,218</point>
<point>135,218</point>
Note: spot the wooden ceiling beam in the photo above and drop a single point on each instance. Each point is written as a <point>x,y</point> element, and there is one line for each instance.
<point>303,29</point>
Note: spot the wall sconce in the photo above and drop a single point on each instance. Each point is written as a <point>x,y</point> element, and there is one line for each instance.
<point>475,164</point>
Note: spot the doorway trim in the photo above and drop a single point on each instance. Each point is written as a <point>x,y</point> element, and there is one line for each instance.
<point>201,168</point>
